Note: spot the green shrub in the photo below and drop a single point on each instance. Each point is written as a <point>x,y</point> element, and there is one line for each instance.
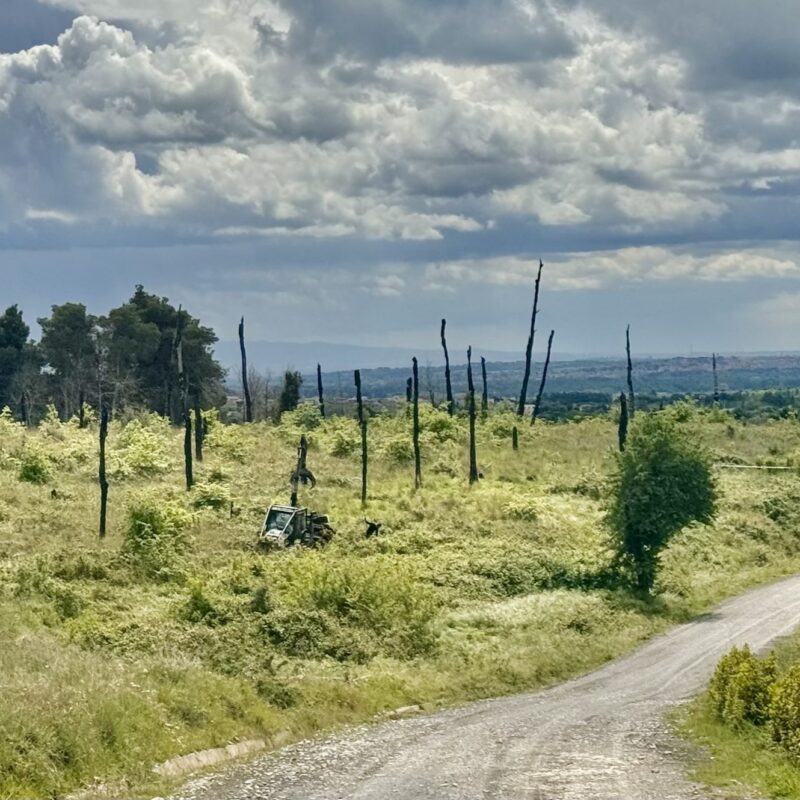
<point>141,449</point>
<point>347,600</point>
<point>740,688</point>
<point>34,466</point>
<point>154,540</point>
<point>524,508</point>
<point>784,712</point>
<point>662,483</point>
<point>399,450</point>
<point>211,495</point>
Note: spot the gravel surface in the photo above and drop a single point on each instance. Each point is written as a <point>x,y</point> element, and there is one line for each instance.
<point>600,737</point>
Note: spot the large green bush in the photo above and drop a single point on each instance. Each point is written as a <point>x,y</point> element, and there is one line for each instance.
<point>662,483</point>
<point>784,712</point>
<point>740,688</point>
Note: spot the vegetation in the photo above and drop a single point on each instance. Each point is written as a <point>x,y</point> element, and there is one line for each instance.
<point>175,633</point>
<point>749,723</point>
<point>663,483</point>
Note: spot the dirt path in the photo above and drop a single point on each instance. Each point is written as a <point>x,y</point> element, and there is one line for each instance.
<point>600,737</point>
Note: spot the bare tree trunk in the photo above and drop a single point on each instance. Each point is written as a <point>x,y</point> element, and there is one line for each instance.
<point>538,404</point>
<point>362,424</point>
<point>187,417</point>
<point>320,391</point>
<point>631,396</point>
<point>623,422</point>
<point>451,406</point>
<point>301,457</point>
<point>515,438</point>
<point>102,472</point>
<point>716,378</point>
<point>473,451</point>
<point>485,394</point>
<point>523,396</point>
<point>417,455</point>
<point>81,409</point>
<point>199,433</point>
<point>248,401</point>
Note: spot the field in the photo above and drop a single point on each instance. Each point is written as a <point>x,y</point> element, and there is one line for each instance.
<point>176,633</point>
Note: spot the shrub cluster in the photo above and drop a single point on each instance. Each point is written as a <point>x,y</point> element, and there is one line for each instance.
<point>746,689</point>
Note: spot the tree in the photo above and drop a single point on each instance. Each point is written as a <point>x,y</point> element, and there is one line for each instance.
<point>13,340</point>
<point>290,394</point>
<point>68,345</point>
<point>523,395</point>
<point>662,483</point>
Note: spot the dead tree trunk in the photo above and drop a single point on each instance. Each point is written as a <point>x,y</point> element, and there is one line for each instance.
<point>415,415</point>
<point>295,479</point>
<point>538,404</point>
<point>359,398</point>
<point>248,401</point>
<point>631,396</point>
<point>485,394</point>
<point>515,438</point>
<point>81,408</point>
<point>320,391</point>
<point>451,406</point>
<point>102,472</point>
<point>187,419</point>
<point>623,422</point>
<point>364,463</point>
<point>716,378</point>
<point>409,396</point>
<point>523,396</point>
<point>473,450</point>
<point>198,430</point>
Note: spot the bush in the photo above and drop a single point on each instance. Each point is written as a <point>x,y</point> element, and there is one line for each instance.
<point>740,688</point>
<point>211,495</point>
<point>34,466</point>
<point>662,483</point>
<point>154,539</point>
<point>142,448</point>
<point>784,712</point>
<point>400,450</point>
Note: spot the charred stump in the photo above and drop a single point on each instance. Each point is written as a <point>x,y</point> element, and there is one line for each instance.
<point>199,430</point>
<point>631,396</point>
<point>515,438</point>
<point>623,422</point>
<point>102,472</point>
<point>485,393</point>
<point>473,450</point>
<point>320,391</point>
<point>451,406</point>
<point>415,430</point>
<point>538,404</point>
<point>248,400</point>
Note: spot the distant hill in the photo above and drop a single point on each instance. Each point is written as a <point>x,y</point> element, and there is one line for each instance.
<point>600,376</point>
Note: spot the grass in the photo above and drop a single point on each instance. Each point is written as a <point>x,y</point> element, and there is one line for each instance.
<point>178,634</point>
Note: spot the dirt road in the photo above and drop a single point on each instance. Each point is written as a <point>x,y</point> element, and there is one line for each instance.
<point>600,737</point>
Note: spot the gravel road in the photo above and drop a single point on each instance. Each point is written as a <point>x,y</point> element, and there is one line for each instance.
<point>600,737</point>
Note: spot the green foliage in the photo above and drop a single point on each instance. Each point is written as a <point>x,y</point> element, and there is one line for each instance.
<point>34,465</point>
<point>784,712</point>
<point>663,482</point>
<point>141,449</point>
<point>399,450</point>
<point>290,394</point>
<point>211,495</point>
<point>154,540</point>
<point>740,688</point>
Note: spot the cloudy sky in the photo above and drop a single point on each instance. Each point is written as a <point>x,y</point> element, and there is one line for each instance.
<point>353,170</point>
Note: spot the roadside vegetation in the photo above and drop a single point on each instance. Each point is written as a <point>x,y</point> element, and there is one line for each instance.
<point>748,724</point>
<point>176,633</point>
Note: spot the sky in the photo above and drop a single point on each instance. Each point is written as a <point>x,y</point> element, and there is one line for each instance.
<point>354,170</point>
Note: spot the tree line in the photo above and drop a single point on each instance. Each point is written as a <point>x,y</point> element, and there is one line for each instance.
<point>127,358</point>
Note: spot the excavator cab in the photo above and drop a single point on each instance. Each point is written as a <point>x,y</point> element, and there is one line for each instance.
<point>285,526</point>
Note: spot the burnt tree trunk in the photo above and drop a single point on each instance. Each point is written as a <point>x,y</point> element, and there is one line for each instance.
<point>515,438</point>
<point>473,450</point>
<point>198,430</point>
<point>716,378</point>
<point>451,406</point>
<point>538,404</point>
<point>81,408</point>
<point>364,463</point>
<point>102,472</point>
<point>248,401</point>
<point>187,419</point>
<point>631,396</point>
<point>320,391</point>
<point>485,393</point>
<point>623,422</point>
<point>359,397</point>
<point>523,396</point>
<point>295,479</point>
<point>415,432</point>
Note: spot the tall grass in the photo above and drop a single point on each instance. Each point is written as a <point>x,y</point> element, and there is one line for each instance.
<point>176,633</point>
